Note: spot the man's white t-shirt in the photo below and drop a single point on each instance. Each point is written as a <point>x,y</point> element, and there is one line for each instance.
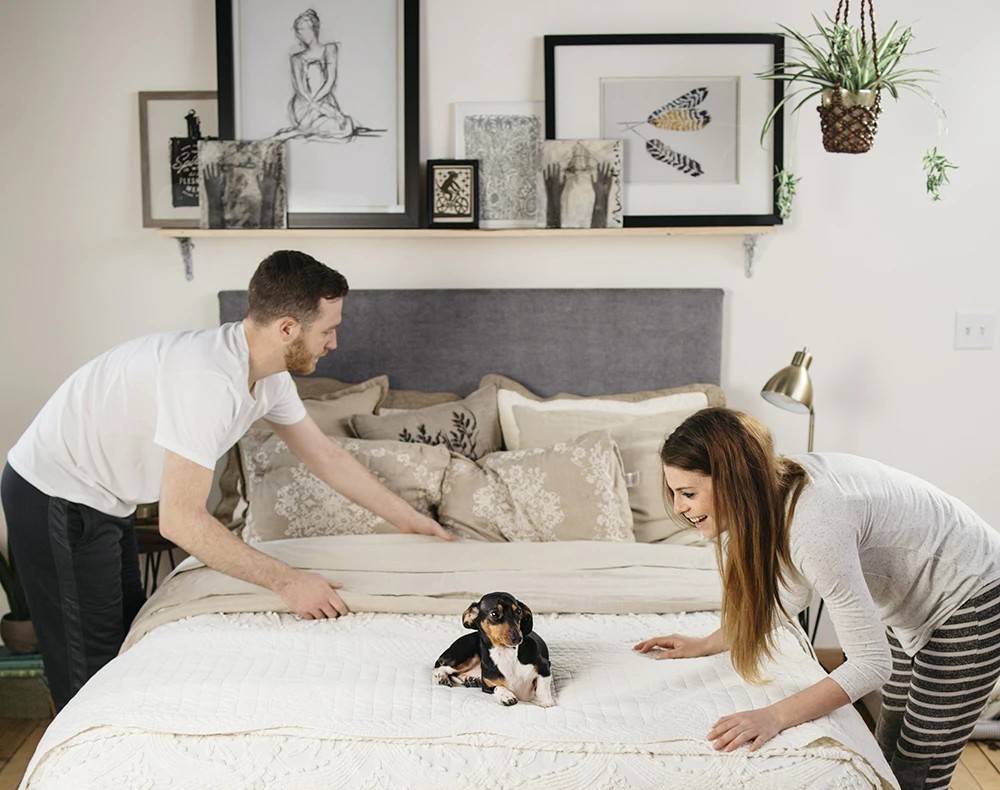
<point>100,439</point>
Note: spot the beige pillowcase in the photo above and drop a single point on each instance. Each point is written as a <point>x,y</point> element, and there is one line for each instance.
<point>403,400</point>
<point>469,426</point>
<point>330,403</point>
<point>571,491</point>
<point>713,393</point>
<point>288,501</point>
<point>639,440</point>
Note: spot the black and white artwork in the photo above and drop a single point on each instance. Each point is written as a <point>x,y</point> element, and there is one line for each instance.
<point>675,130</point>
<point>322,76</point>
<point>579,184</point>
<point>184,162</point>
<point>313,110</point>
<point>242,183</point>
<point>453,193</point>
<point>504,138</point>
<point>171,123</point>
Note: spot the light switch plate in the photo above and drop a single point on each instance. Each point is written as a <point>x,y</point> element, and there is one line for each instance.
<point>975,330</point>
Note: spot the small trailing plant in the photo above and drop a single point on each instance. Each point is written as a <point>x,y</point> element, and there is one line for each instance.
<point>785,192</point>
<point>937,168</point>
<point>839,56</point>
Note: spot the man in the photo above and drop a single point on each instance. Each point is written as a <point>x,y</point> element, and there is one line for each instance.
<point>147,421</point>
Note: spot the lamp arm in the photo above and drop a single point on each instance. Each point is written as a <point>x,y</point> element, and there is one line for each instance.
<point>812,422</point>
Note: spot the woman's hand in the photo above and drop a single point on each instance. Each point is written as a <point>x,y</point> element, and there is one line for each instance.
<point>755,727</point>
<point>677,646</point>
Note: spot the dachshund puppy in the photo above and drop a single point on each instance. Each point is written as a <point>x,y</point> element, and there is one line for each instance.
<point>504,657</point>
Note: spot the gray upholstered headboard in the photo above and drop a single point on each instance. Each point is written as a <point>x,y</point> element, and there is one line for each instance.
<point>584,341</point>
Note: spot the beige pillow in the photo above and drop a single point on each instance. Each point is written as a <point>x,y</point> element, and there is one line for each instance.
<point>401,400</point>
<point>713,393</point>
<point>571,491</point>
<point>469,426</point>
<point>639,440</point>
<point>331,404</point>
<point>288,501</point>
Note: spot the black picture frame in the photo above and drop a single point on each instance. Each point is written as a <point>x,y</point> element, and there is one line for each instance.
<point>552,45</point>
<point>409,90</point>
<point>467,200</point>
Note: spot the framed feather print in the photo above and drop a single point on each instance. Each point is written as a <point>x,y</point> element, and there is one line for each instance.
<point>687,108</point>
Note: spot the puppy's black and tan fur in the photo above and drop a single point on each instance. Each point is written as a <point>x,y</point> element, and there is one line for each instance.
<point>504,657</point>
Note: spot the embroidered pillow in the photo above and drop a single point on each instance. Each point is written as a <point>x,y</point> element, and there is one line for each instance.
<point>288,501</point>
<point>571,491</point>
<point>469,427</point>
<point>330,403</point>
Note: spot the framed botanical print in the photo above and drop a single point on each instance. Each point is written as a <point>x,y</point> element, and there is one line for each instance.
<point>689,109</point>
<point>336,81</point>
<point>453,193</point>
<point>171,123</point>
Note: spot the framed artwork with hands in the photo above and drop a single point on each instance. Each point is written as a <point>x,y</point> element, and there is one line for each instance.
<point>241,183</point>
<point>335,82</point>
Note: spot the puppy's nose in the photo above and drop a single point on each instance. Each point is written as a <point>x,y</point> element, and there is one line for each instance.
<point>516,640</point>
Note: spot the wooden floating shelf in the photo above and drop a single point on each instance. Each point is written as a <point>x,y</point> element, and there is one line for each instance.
<point>434,233</point>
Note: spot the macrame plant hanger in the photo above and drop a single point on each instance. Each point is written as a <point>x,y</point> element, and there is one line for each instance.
<point>851,129</point>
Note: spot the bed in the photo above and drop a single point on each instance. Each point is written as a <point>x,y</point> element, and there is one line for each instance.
<point>218,686</point>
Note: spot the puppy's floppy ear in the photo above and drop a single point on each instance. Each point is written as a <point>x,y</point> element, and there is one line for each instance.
<point>471,615</point>
<point>527,621</point>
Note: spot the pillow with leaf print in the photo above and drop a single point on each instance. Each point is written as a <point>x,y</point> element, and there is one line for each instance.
<point>469,427</point>
<point>286,500</point>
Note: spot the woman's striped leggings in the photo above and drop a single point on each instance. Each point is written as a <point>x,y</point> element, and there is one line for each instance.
<point>932,701</point>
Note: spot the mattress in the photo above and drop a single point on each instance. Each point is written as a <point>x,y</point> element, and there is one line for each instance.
<point>264,699</point>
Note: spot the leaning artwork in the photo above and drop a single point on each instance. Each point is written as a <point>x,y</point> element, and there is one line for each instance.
<point>241,183</point>
<point>580,184</point>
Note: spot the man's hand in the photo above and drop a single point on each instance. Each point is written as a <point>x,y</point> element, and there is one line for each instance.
<point>310,595</point>
<point>422,525</point>
<point>755,727</point>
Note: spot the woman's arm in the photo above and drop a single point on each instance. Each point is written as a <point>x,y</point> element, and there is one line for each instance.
<point>332,53</point>
<point>757,727</point>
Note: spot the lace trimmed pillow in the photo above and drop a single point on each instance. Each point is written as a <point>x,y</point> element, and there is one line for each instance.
<point>571,491</point>
<point>289,501</point>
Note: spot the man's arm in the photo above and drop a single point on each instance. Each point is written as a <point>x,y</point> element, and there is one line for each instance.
<point>185,520</point>
<point>336,467</point>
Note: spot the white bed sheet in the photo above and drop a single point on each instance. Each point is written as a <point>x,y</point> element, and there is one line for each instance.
<point>271,701</point>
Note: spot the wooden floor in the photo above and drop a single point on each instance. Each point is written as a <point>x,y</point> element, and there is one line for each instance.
<point>979,768</point>
<point>18,739</point>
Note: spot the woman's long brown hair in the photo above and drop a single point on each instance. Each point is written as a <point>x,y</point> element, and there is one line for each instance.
<point>754,495</point>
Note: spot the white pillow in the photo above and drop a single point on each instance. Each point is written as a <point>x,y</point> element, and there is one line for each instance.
<point>508,399</point>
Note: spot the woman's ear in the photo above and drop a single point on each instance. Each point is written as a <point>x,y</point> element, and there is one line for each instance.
<point>527,621</point>
<point>471,616</point>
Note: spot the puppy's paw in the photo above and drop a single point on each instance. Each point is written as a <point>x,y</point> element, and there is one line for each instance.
<point>504,696</point>
<point>545,702</point>
<point>446,676</point>
<point>473,682</point>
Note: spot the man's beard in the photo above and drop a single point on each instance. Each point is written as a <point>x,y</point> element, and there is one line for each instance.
<point>298,360</point>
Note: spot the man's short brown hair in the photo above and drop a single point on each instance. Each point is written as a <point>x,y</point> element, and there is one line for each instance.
<point>291,283</point>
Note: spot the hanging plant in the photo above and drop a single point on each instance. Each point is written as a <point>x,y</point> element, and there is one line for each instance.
<point>848,67</point>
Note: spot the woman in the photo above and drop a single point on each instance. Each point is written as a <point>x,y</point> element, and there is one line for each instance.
<point>314,110</point>
<point>910,576</point>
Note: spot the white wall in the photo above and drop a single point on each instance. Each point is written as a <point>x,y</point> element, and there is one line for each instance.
<point>868,273</point>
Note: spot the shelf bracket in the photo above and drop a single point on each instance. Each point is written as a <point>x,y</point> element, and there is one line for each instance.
<point>750,252</point>
<point>186,246</point>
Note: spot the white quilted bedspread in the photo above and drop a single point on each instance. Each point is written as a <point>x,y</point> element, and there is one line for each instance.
<point>271,701</point>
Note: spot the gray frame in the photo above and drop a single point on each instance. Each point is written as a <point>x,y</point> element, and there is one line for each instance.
<point>145,97</point>
<point>584,341</point>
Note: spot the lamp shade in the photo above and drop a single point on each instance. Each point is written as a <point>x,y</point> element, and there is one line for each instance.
<point>791,388</point>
